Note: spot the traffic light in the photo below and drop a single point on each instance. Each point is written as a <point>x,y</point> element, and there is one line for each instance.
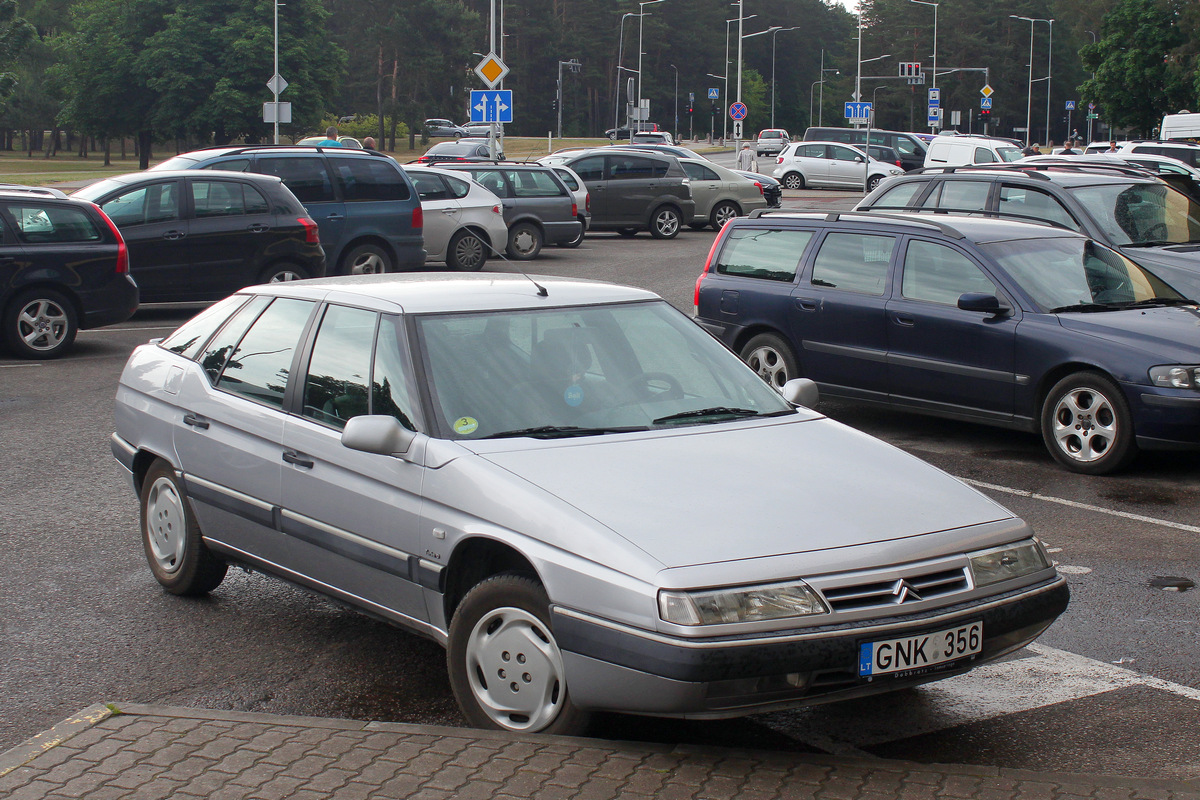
<point>554,104</point>
<point>985,113</point>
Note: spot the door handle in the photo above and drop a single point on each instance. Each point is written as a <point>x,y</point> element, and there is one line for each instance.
<point>449,210</point>
<point>805,304</point>
<point>7,259</point>
<point>173,235</point>
<point>300,460</point>
<point>335,216</point>
<point>195,421</point>
<point>258,227</point>
<point>905,320</point>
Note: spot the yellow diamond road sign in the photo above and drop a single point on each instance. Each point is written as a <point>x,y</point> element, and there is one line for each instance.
<point>492,70</point>
<point>987,90</point>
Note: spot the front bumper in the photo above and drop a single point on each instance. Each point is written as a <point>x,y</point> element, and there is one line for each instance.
<point>1164,418</point>
<point>618,668</point>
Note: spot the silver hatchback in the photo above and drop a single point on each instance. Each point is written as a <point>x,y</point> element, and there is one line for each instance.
<point>550,477</point>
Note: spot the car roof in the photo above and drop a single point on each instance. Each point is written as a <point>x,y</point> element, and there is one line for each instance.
<point>980,230</point>
<point>1065,174</point>
<point>427,293</point>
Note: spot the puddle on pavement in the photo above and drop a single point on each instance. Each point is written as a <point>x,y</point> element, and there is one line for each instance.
<point>1140,496</point>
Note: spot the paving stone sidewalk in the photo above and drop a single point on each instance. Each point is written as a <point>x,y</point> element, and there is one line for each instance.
<point>138,752</point>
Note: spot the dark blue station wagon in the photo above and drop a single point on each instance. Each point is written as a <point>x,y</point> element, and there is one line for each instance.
<point>991,321</point>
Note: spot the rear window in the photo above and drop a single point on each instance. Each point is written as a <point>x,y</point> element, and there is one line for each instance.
<point>772,255</point>
<point>39,224</point>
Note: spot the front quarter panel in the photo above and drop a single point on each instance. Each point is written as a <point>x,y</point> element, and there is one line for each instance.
<point>146,402</point>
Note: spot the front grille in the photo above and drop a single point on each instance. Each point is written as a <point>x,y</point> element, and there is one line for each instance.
<point>900,591</point>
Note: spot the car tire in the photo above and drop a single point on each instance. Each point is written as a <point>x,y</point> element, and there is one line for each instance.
<point>873,182</point>
<point>578,240</point>
<point>178,557</point>
<point>524,241</point>
<point>722,213</point>
<point>772,358</point>
<point>283,271</point>
<point>1086,424</point>
<point>627,232</point>
<point>467,252</point>
<point>367,259</point>
<point>505,666</point>
<point>697,226</point>
<point>793,180</point>
<point>665,223</point>
<point>41,324</point>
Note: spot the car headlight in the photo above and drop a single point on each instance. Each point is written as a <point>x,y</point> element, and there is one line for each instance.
<point>1011,561</point>
<point>1176,377</point>
<point>740,604</point>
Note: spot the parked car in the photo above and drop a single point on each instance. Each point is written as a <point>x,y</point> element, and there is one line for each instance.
<point>885,155</point>
<point>623,131</point>
<point>1148,221</point>
<point>538,207</point>
<point>772,188</point>
<point>720,193</point>
<point>464,222</point>
<point>634,190</point>
<point>830,165</point>
<point>462,150</point>
<point>771,142</point>
<point>508,465</point>
<point>910,147</point>
<point>201,234</point>
<point>1187,152</point>
<point>438,128</point>
<point>583,202</point>
<point>477,130</point>
<point>368,213</point>
<point>651,137</point>
<point>344,141</point>
<point>63,267</point>
<point>1004,323</point>
<point>948,150</point>
<point>1172,171</point>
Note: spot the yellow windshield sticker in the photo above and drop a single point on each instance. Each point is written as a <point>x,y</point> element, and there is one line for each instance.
<point>465,425</point>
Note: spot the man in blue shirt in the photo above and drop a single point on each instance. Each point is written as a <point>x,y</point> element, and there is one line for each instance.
<point>330,139</point>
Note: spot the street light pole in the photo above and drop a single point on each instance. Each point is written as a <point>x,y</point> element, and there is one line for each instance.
<point>737,140</point>
<point>1029,97</point>
<point>274,84</point>
<point>933,83</point>
<point>725,125</point>
<point>776,31</point>
<point>1089,117</point>
<point>641,19</point>
<point>1049,74</point>
<point>620,51</point>
<point>675,130</point>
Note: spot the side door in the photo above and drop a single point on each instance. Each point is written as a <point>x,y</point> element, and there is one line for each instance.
<point>229,428</point>
<point>231,229</point>
<point>837,314</point>
<point>351,518</point>
<point>707,187</point>
<point>846,167</point>
<point>939,356</point>
<point>309,179</point>
<point>591,171</point>
<point>150,218</point>
<point>440,210</point>
<point>812,160</point>
<point>631,188</point>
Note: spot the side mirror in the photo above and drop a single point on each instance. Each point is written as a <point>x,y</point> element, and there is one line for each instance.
<point>985,303</point>
<point>801,392</point>
<point>858,159</point>
<point>377,433</point>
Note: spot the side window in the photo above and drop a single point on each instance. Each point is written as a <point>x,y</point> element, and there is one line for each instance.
<point>964,196</point>
<point>811,151</point>
<point>590,169</point>
<point>1034,205</point>
<point>533,183</point>
<point>255,202</point>
<point>699,172</point>
<point>369,179</point>
<point>939,274</point>
<point>335,388</point>
<point>630,168</point>
<point>493,181</point>
<point>429,186</point>
<point>984,156</point>
<point>218,350</point>
<point>232,165</point>
<point>772,255</point>
<point>855,262</point>
<point>905,147</point>
<point>306,177</point>
<point>458,187</point>
<point>843,153</point>
<point>389,387</point>
<point>258,367</point>
<point>189,337</point>
<point>158,202</point>
<point>217,199</point>
<point>39,224</point>
<point>899,196</point>
<point>567,178</point>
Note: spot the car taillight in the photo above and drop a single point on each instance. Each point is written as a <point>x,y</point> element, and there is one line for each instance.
<point>418,220</point>
<point>122,250</point>
<point>779,160</point>
<point>759,185</point>
<point>898,164</point>
<point>708,263</point>
<point>574,209</point>
<point>497,209</point>
<point>587,202</point>
<point>312,234</point>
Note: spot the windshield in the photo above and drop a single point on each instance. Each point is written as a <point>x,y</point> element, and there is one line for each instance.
<point>178,162</point>
<point>581,371</point>
<point>1010,154</point>
<point>1142,213</point>
<point>1068,273</point>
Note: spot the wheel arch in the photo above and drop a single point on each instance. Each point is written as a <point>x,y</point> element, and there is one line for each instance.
<point>64,290</point>
<point>374,239</point>
<point>142,461</point>
<point>482,234</point>
<point>1056,374</point>
<point>476,559</point>
<point>749,332</point>
<point>659,206</point>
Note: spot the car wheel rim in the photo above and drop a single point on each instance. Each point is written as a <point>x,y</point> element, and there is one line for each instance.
<point>515,670</point>
<point>367,264</point>
<point>792,182</point>
<point>43,325</point>
<point>667,223</point>
<point>524,241</point>
<point>284,275</point>
<point>724,214</point>
<point>769,364</point>
<point>1085,425</point>
<point>468,252</point>
<point>166,525</point>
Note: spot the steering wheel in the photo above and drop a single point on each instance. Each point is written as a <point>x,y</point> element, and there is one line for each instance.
<point>1156,233</point>
<point>667,388</point>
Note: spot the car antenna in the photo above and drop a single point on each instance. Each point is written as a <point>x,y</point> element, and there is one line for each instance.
<point>541,290</point>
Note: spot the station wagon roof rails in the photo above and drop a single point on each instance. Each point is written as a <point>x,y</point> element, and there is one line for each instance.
<point>234,150</point>
<point>1018,169</point>
<point>783,212</point>
<point>949,230</point>
<point>58,194</point>
<point>1086,166</point>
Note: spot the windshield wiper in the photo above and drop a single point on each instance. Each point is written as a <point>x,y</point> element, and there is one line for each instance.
<point>1087,307</point>
<point>1163,243</point>
<point>561,431</point>
<point>715,411</point>
<point>1158,301</point>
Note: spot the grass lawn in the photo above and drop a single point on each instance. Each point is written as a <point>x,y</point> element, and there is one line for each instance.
<point>67,167</point>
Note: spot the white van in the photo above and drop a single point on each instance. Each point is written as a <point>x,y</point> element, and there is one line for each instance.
<point>959,151</point>
<point>1183,125</point>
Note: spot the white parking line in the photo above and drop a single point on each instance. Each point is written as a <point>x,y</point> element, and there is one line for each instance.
<point>1166,523</point>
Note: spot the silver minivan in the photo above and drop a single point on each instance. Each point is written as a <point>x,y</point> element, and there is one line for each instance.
<point>549,477</point>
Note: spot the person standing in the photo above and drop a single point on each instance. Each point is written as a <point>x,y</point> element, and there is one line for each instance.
<point>369,143</point>
<point>745,159</point>
<point>330,139</point>
<point>1112,147</point>
<point>1069,150</point>
<point>1032,150</point>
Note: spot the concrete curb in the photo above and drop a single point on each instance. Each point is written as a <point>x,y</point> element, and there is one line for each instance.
<point>74,725</point>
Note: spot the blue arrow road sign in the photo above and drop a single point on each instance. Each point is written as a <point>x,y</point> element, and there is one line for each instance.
<point>491,106</point>
<point>738,111</point>
<point>714,94</point>
<point>858,110</point>
<point>985,102</point>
